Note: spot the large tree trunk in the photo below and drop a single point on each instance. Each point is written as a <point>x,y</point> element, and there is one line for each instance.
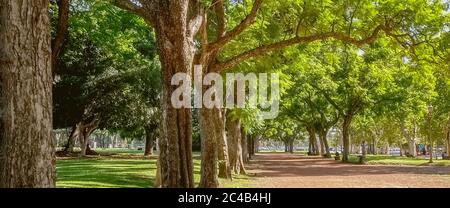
<point>313,148</point>
<point>176,49</point>
<point>27,157</point>
<point>222,145</point>
<point>363,149</point>
<point>256,146</point>
<point>412,151</point>
<point>244,140</point>
<point>323,138</point>
<point>61,32</point>
<point>448,143</point>
<point>375,146</point>
<point>251,146</point>
<point>345,136</point>
<point>85,133</point>
<point>448,137</point>
<point>71,140</point>
<point>150,134</point>
<point>286,146</point>
<point>321,143</point>
<point>234,146</point>
<point>209,149</point>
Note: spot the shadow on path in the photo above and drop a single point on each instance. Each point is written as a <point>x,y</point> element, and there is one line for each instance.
<point>290,170</point>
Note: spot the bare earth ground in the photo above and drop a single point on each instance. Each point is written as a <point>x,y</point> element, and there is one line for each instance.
<point>279,170</point>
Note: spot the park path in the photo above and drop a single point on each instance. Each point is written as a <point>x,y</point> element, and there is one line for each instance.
<point>282,170</point>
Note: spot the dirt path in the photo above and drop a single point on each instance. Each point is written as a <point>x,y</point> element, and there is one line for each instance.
<point>278,170</point>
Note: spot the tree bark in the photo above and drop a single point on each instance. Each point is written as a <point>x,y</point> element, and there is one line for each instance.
<point>176,49</point>
<point>71,140</point>
<point>321,143</point>
<point>222,145</point>
<point>208,170</point>
<point>313,149</point>
<point>345,136</point>
<point>61,32</point>
<point>27,156</point>
<point>85,131</point>
<point>323,137</point>
<point>363,148</point>
<point>251,146</point>
<point>245,156</point>
<point>234,146</point>
<point>448,137</point>
<point>291,145</point>
<point>149,139</point>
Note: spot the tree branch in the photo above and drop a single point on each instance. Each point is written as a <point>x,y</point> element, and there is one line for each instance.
<point>245,23</point>
<point>134,7</point>
<point>198,18</point>
<point>61,32</point>
<point>232,62</point>
<point>222,21</point>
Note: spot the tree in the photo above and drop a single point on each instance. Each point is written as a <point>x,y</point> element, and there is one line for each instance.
<point>107,78</point>
<point>27,155</point>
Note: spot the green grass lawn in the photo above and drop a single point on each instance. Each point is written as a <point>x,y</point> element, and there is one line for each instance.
<point>396,160</point>
<point>124,169</point>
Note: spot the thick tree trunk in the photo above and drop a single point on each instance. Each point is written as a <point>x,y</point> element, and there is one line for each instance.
<point>345,136</point>
<point>27,157</point>
<point>222,145</point>
<point>321,143</point>
<point>251,146</point>
<point>208,170</point>
<point>323,137</point>
<point>149,140</point>
<point>176,49</point>
<point>313,148</point>
<point>234,146</point>
<point>71,140</point>
<point>244,140</point>
<point>61,32</point>
<point>256,146</point>
<point>375,146</point>
<point>412,151</point>
<point>448,137</point>
<point>85,132</point>
<point>448,143</point>
<point>363,149</point>
<point>291,145</point>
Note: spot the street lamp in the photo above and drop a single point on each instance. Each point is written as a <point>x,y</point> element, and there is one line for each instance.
<point>430,116</point>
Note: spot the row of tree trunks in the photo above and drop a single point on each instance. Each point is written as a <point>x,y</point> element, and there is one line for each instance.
<point>289,145</point>
<point>27,156</point>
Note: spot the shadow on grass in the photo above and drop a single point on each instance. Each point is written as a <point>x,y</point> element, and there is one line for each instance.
<point>94,173</point>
